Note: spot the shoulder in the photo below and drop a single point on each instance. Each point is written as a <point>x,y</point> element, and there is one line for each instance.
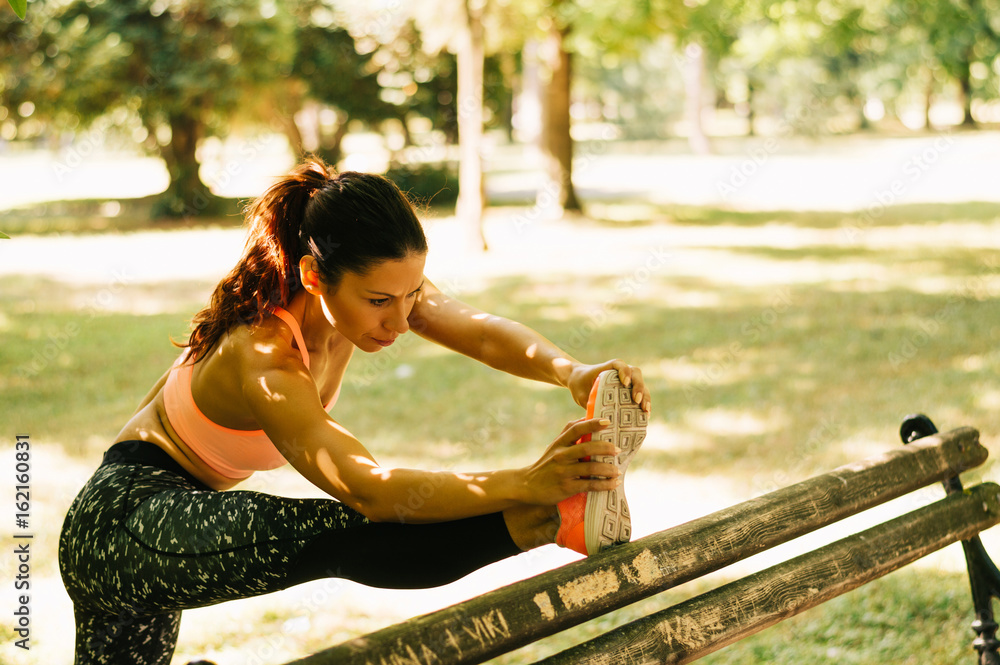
<point>270,373</point>
<point>252,349</point>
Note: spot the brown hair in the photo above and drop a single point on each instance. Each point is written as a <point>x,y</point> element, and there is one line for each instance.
<point>349,222</point>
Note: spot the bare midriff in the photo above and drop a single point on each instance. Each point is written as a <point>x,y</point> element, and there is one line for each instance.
<point>151,424</point>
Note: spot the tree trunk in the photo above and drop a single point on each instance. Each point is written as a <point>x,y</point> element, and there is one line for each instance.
<point>557,143</point>
<point>283,107</point>
<point>286,123</point>
<point>694,92</point>
<point>331,145</point>
<point>928,99</point>
<point>864,124</point>
<point>471,56</point>
<point>965,81</point>
<point>186,195</point>
<point>508,69</point>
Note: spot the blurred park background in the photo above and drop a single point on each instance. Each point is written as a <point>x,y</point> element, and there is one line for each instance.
<point>786,213</point>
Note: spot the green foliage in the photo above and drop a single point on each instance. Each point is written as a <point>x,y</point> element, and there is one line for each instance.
<point>419,82</point>
<point>427,183</point>
<point>327,61</point>
<point>153,60</point>
<point>174,74</point>
<point>20,7</point>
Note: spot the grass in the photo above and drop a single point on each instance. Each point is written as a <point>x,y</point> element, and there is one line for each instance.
<point>616,213</point>
<point>108,216</point>
<point>764,361</point>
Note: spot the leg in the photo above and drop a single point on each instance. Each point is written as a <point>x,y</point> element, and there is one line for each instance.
<point>532,526</point>
<point>143,536</point>
<point>405,556</point>
<point>109,639</point>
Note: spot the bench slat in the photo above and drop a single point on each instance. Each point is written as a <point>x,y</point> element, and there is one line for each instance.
<point>510,617</point>
<point>692,629</point>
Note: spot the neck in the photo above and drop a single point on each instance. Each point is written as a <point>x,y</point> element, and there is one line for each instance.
<point>317,330</point>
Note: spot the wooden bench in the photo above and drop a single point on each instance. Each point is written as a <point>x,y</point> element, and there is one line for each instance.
<point>513,616</point>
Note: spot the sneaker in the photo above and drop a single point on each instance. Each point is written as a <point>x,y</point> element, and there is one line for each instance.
<point>593,521</point>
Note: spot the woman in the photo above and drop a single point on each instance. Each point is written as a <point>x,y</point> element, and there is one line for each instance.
<point>333,263</point>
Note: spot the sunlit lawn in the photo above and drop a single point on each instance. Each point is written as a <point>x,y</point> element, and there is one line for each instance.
<point>765,360</point>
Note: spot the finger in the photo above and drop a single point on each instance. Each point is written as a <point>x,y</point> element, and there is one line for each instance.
<point>577,429</point>
<point>595,470</point>
<point>624,372</point>
<point>638,385</point>
<point>583,452</point>
<point>595,485</point>
<point>595,449</point>
<point>570,424</point>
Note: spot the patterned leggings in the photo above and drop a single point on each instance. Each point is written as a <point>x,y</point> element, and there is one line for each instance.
<point>144,540</point>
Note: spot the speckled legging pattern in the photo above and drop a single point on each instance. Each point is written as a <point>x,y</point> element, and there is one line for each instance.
<point>141,543</point>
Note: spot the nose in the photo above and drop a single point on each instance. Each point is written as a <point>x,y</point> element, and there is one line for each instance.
<point>397,320</point>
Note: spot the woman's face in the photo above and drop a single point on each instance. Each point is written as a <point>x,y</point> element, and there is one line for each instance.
<point>371,310</point>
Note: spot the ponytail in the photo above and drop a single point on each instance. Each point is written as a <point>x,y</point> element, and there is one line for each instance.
<point>349,223</point>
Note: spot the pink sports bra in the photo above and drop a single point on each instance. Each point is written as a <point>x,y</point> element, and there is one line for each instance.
<point>232,453</point>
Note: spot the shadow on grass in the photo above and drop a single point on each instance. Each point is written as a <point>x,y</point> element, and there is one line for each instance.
<point>106,215</point>
<point>123,215</point>
<point>742,390</point>
<point>110,215</point>
<point>636,213</point>
<point>760,383</point>
<point>74,368</point>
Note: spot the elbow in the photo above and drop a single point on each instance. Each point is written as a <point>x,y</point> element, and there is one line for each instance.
<point>375,512</point>
<point>375,509</point>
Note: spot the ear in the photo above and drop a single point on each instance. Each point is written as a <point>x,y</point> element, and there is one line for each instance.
<point>309,274</point>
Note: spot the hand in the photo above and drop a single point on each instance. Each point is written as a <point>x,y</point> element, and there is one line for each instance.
<point>565,468</point>
<point>582,377</point>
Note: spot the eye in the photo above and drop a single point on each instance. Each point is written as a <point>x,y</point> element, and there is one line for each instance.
<point>378,302</point>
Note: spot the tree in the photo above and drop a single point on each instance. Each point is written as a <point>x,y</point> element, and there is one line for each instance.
<point>704,33</point>
<point>471,57</point>
<point>328,71</point>
<point>557,140</point>
<point>961,34</point>
<point>567,29</point>
<point>181,68</point>
<point>457,26</point>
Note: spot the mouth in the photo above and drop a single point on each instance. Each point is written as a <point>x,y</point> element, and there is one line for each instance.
<point>383,342</point>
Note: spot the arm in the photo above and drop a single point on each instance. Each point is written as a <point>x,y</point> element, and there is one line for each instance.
<point>284,400</point>
<point>152,391</point>
<point>511,347</point>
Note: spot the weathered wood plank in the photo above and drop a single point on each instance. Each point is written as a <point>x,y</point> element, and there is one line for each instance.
<point>687,631</point>
<point>521,613</point>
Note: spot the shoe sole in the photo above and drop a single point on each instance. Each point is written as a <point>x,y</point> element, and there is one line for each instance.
<point>607,518</point>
